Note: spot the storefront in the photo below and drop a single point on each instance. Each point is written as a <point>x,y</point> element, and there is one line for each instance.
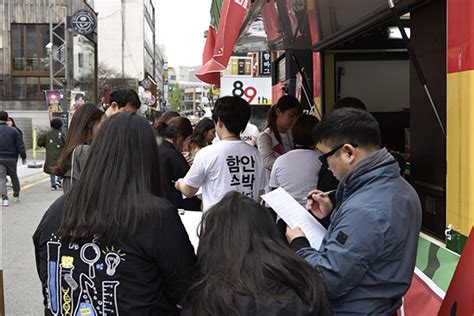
<point>26,50</point>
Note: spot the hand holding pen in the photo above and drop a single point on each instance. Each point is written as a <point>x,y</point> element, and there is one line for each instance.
<point>319,203</point>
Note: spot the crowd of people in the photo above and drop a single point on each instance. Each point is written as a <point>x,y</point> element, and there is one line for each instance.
<point>114,242</point>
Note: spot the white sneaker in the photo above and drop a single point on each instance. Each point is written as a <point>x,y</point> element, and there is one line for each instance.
<point>5,202</point>
<point>16,199</point>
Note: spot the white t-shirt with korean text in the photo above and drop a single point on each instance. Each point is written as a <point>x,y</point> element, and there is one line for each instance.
<point>229,165</point>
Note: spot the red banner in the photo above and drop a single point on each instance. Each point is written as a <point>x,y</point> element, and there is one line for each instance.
<point>232,16</point>
<point>421,298</point>
<point>210,44</point>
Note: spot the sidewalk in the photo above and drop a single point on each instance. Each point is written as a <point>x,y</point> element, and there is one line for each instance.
<point>27,175</point>
<point>24,171</point>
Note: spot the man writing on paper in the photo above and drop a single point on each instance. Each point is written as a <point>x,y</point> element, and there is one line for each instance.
<point>367,256</point>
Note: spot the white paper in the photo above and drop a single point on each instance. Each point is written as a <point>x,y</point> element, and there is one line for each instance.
<point>191,220</point>
<point>296,215</point>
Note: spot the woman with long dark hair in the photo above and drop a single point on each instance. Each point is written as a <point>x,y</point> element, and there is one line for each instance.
<point>84,125</point>
<point>276,139</point>
<point>112,244</point>
<point>175,137</point>
<point>245,267</point>
<point>203,134</point>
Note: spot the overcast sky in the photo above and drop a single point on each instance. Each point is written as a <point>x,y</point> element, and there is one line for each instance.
<point>180,27</point>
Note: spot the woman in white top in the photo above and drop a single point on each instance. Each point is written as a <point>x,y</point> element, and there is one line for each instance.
<point>297,170</point>
<point>276,139</point>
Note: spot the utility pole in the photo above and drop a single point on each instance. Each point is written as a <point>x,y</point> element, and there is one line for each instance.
<point>123,38</point>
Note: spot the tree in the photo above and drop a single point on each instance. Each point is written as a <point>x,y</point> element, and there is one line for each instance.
<point>108,76</point>
<point>176,97</point>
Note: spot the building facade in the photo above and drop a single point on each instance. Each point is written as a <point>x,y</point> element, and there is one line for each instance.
<point>26,49</point>
<point>160,72</point>
<point>127,43</point>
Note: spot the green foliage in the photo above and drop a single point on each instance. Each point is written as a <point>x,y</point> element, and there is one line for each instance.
<point>176,97</point>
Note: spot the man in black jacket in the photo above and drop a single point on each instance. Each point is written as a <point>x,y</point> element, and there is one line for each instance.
<point>11,145</point>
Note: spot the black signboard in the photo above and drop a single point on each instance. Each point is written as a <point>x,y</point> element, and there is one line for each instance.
<point>64,117</point>
<point>264,63</point>
<point>83,22</point>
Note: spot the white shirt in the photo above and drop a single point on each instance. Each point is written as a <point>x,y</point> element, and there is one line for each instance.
<point>250,134</point>
<point>229,165</point>
<point>296,172</point>
<point>269,147</point>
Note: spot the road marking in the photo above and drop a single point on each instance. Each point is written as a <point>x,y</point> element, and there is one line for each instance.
<point>26,187</point>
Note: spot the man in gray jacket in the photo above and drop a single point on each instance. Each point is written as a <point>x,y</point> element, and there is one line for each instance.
<point>367,257</point>
<point>11,145</point>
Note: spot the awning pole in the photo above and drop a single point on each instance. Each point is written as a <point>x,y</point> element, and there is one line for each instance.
<point>415,62</point>
<point>305,84</point>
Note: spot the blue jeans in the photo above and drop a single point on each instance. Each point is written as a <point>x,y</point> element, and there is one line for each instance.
<point>53,180</point>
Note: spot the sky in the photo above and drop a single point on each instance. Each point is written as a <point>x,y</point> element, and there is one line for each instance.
<point>180,27</point>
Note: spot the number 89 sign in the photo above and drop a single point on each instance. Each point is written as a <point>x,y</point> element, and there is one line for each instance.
<point>253,90</point>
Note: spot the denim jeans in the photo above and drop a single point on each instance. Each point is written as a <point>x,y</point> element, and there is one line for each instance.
<point>53,180</point>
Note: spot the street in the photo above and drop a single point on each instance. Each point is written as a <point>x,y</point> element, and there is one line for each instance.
<point>21,283</point>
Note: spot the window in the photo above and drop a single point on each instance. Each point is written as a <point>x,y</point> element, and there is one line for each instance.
<point>30,88</point>
<point>80,60</point>
<point>29,61</point>
<point>148,62</point>
<point>29,48</point>
<point>148,35</point>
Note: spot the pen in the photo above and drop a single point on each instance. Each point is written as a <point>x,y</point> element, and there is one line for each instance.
<point>322,193</point>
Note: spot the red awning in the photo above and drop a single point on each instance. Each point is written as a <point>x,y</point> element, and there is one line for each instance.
<point>231,19</point>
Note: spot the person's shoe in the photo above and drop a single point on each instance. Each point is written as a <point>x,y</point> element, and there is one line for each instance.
<point>5,202</point>
<point>16,199</point>
<point>59,184</point>
<point>53,188</point>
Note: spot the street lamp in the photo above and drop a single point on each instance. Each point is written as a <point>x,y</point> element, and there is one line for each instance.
<point>49,50</point>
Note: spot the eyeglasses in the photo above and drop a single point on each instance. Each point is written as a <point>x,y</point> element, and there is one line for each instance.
<point>324,158</point>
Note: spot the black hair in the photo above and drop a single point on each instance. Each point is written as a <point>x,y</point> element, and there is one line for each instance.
<point>240,252</point>
<point>124,96</point>
<point>286,102</point>
<point>349,125</point>
<point>56,123</point>
<point>349,102</point>
<point>165,117</point>
<point>113,195</point>
<point>302,130</point>
<point>176,127</point>
<point>14,125</point>
<point>198,138</point>
<point>155,116</point>
<point>80,132</point>
<point>79,96</point>
<point>234,112</point>
<point>3,116</point>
